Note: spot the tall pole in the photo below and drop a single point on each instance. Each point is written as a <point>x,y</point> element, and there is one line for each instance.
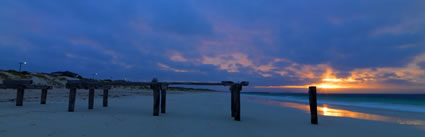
<point>20,65</point>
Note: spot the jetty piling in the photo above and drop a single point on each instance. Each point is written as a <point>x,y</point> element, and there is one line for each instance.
<point>91,98</point>
<point>159,92</point>
<point>105,97</point>
<point>20,96</point>
<point>156,96</point>
<point>232,101</point>
<point>20,86</point>
<point>164,88</point>
<point>43,97</point>
<point>71,104</point>
<point>236,102</point>
<point>313,104</point>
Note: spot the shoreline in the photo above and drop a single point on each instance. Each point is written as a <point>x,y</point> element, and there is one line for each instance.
<point>371,103</point>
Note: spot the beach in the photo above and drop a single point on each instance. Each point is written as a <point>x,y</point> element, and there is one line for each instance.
<point>192,114</point>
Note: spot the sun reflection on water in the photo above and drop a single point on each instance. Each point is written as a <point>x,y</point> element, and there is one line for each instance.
<point>333,112</point>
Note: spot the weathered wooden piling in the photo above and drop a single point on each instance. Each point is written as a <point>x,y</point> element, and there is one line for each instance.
<point>72,94</point>
<point>156,93</point>
<point>105,97</point>
<point>238,88</point>
<point>164,88</point>
<point>43,96</point>
<point>232,100</point>
<point>20,96</point>
<point>20,86</point>
<point>235,90</point>
<point>313,104</point>
<point>159,92</point>
<point>91,98</point>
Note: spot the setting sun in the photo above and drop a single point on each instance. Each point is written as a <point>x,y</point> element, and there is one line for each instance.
<point>329,80</point>
<point>330,86</point>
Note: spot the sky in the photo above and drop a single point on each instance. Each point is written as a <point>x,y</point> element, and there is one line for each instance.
<point>280,45</point>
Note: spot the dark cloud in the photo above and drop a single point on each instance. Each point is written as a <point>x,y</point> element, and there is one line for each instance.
<point>422,65</point>
<point>179,17</point>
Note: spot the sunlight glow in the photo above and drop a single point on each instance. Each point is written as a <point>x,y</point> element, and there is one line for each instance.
<point>334,112</point>
<point>329,81</point>
<point>332,80</point>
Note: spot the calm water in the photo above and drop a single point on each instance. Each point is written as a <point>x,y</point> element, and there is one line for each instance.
<point>398,102</point>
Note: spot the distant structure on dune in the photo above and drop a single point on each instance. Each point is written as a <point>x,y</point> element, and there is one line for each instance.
<point>66,73</point>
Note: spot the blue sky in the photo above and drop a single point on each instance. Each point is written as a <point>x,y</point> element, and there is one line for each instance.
<point>273,44</point>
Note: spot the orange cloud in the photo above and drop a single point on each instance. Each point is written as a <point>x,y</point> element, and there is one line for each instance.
<point>358,78</point>
<point>234,62</point>
<point>177,56</point>
<point>230,63</point>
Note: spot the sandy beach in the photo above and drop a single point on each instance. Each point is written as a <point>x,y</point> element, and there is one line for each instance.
<point>188,115</point>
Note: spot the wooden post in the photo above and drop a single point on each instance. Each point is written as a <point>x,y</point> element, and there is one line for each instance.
<point>313,104</point>
<point>156,93</point>
<point>105,97</point>
<point>232,100</point>
<point>43,96</point>
<point>91,98</point>
<point>72,94</point>
<point>156,101</point>
<point>164,88</point>
<point>20,97</point>
<point>237,102</point>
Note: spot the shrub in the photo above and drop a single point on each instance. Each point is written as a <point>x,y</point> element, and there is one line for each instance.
<point>22,75</point>
<point>4,76</point>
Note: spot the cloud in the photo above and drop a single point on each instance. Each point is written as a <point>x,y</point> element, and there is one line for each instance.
<point>408,26</point>
<point>408,77</point>
<point>114,57</point>
<point>179,17</point>
<point>230,63</point>
<point>270,43</point>
<point>168,68</point>
<point>421,65</point>
<point>177,56</point>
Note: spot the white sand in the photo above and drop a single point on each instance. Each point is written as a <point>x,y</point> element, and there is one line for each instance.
<point>188,115</point>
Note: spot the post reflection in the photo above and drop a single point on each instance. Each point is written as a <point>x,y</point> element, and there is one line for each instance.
<point>334,112</point>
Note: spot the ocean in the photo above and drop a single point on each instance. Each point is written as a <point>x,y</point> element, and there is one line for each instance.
<point>397,102</point>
